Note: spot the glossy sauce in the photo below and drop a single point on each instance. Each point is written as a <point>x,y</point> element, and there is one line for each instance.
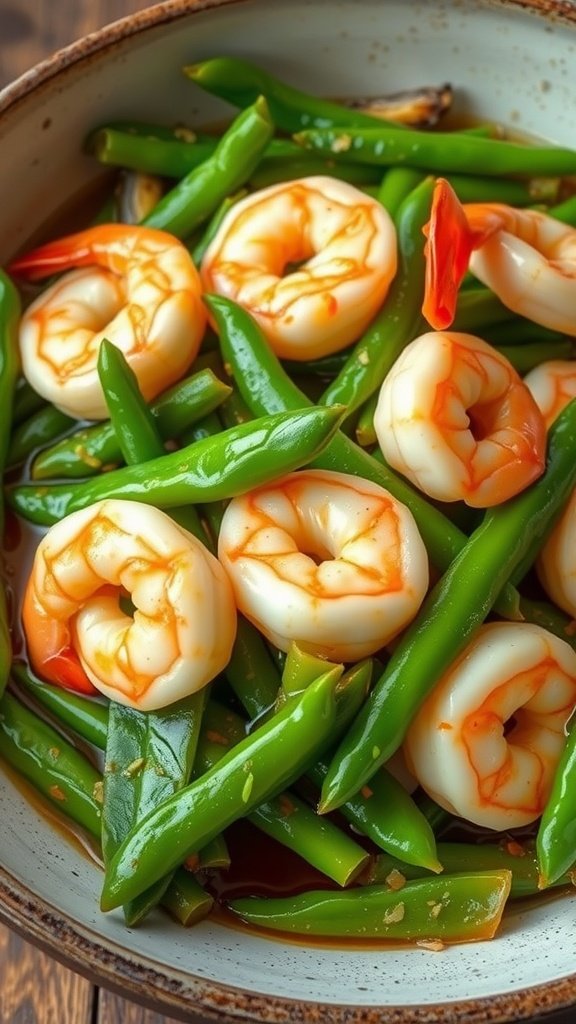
<point>260,866</point>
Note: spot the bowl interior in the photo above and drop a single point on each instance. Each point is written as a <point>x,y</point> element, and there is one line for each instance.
<point>504,63</point>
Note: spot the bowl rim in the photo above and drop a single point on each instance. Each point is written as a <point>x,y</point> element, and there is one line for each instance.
<point>135,976</point>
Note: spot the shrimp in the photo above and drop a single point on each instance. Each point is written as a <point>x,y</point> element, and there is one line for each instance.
<point>183,627</point>
<point>343,244</point>
<point>137,287</point>
<point>526,257</point>
<point>553,385</point>
<point>326,559</point>
<point>556,562</point>
<point>486,742</point>
<point>455,418</point>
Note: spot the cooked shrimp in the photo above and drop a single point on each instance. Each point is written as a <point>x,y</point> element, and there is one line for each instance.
<point>326,559</point>
<point>486,742</point>
<point>343,244</point>
<point>526,257</point>
<point>455,418</point>
<point>553,385</point>
<point>556,563</point>
<point>182,630</point>
<point>137,287</point>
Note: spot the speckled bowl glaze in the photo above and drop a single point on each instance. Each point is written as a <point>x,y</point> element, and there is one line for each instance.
<point>508,60</point>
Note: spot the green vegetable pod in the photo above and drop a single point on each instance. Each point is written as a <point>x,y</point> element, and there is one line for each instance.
<point>262,764</point>
<point>237,460</point>
<point>94,449</point>
<point>454,908</point>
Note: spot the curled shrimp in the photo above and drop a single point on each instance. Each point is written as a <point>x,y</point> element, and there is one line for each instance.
<point>456,419</point>
<point>343,244</point>
<point>183,627</point>
<point>553,386</point>
<point>137,287</point>
<point>486,742</point>
<point>326,559</point>
<point>526,257</point>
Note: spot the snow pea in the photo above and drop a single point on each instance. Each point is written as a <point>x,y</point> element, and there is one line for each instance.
<point>453,908</point>
<point>509,534</point>
<point>556,839</point>
<point>237,460</point>
<point>265,387</point>
<point>198,195</point>
<point>94,449</point>
<point>240,83</point>
<point>438,152</point>
<point>262,764</point>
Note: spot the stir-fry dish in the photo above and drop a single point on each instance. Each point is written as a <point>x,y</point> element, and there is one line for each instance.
<point>294,438</point>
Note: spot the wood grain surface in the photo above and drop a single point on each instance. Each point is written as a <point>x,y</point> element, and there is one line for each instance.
<point>34,989</point>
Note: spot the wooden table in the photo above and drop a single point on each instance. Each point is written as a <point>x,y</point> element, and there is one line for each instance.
<point>34,989</point>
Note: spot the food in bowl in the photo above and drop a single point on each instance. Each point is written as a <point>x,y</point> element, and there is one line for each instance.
<point>113,604</point>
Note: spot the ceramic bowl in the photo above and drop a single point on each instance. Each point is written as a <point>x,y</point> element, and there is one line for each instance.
<point>508,60</point>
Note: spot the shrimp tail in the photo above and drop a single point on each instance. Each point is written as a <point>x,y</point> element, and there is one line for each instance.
<point>451,238</point>
<point>64,669</point>
<point>106,245</point>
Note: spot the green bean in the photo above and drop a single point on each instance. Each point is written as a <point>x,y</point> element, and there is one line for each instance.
<point>453,609</point>
<point>438,152</point>
<point>240,83</point>
<point>519,332</point>
<point>264,386</point>
<point>214,855</point>
<point>41,428</point>
<point>527,357</point>
<point>478,309</point>
<point>566,211</point>
<point>511,856</point>
<point>198,195</point>
<point>472,188</point>
<point>273,170</point>
<point>85,716</point>
<point>149,756</point>
<point>400,319</point>
<point>251,671</point>
<point>214,224</point>
<point>63,775</point>
<point>387,814</point>
<point>95,449</point>
<point>262,764</point>
<point>285,817</point>
<point>26,401</point>
<point>185,900</point>
<point>396,185</point>
<point>130,416</point>
<point>453,908</point>
<point>175,158</point>
<point>556,839</point>
<point>365,432</point>
<point>236,461</point>
<point>435,815</point>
